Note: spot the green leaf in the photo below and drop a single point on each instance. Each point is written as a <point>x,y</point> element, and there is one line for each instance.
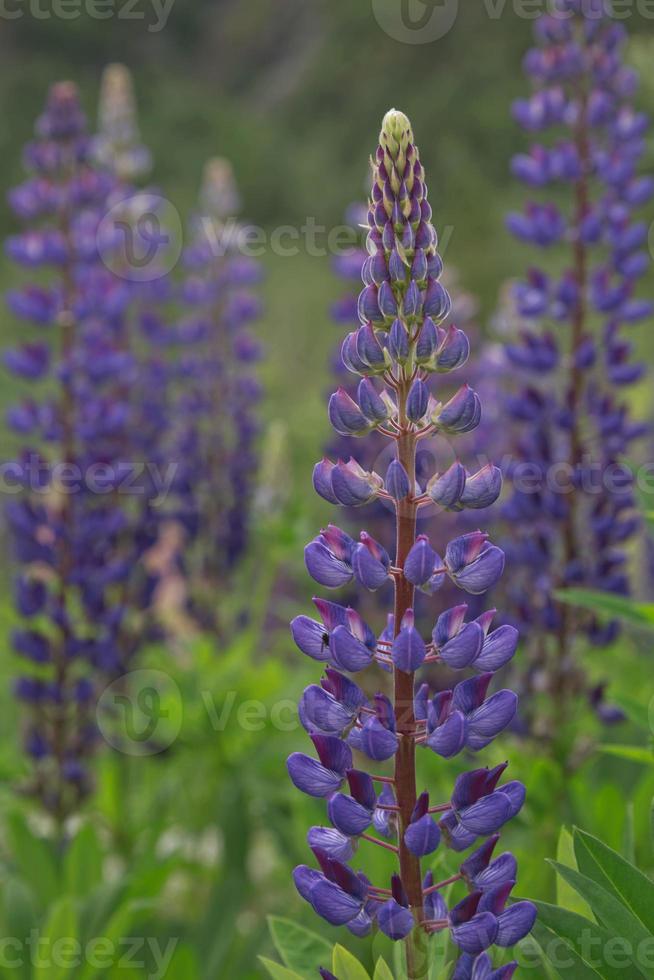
<point>608,909</point>
<point>346,966</point>
<point>637,713</point>
<point>278,972</point>
<point>583,937</point>
<point>629,835</point>
<point>632,753</point>
<point>566,896</point>
<point>382,971</point>
<point>118,926</point>
<point>300,949</point>
<point>550,943</point>
<point>605,866</point>
<point>58,959</point>
<point>20,917</point>
<point>35,859</point>
<point>609,606</point>
<point>83,865</point>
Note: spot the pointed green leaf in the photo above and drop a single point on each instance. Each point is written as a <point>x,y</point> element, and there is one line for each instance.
<point>300,949</point>
<point>609,869</point>
<point>59,959</point>
<point>119,925</point>
<point>585,938</point>
<point>638,713</point>
<point>382,971</point>
<point>83,865</point>
<point>35,859</point>
<point>608,910</point>
<point>345,966</point>
<point>569,964</point>
<point>632,753</point>
<point>278,972</point>
<point>566,896</point>
<point>607,605</point>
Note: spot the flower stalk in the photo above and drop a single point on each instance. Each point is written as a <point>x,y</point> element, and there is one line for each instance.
<point>397,349</point>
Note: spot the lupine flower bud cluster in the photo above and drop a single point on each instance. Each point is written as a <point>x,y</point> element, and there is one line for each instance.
<point>220,390</point>
<point>571,509</point>
<point>353,453</point>
<point>69,519</point>
<point>117,145</point>
<point>398,350</point>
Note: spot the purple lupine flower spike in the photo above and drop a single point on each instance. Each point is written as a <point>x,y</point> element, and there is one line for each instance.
<point>77,542</point>
<point>398,347</point>
<point>218,423</point>
<point>569,361</point>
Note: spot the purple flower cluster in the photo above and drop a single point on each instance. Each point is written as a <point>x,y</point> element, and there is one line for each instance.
<point>353,454</point>
<point>398,346</point>
<point>81,519</point>
<point>571,508</point>
<point>220,390</point>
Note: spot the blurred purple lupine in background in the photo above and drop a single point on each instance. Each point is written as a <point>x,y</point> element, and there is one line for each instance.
<point>220,390</point>
<point>69,517</point>
<point>571,510</point>
<point>399,344</point>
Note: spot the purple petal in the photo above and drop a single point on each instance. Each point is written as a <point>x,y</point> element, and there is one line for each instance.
<point>305,878</point>
<point>332,842</point>
<point>516,923</point>
<point>348,652</point>
<point>491,718</point>
<point>464,648</point>
<point>333,904</point>
<point>348,816</point>
<point>378,742</point>
<point>311,637</point>
<point>423,836</point>
<point>311,777</point>
<point>395,921</point>
<point>498,649</point>
<point>450,737</point>
<point>476,935</point>
<point>324,567</point>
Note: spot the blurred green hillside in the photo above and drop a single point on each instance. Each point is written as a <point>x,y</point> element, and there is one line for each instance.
<point>293,91</point>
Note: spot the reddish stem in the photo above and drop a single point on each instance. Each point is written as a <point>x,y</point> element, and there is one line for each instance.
<point>405,762</point>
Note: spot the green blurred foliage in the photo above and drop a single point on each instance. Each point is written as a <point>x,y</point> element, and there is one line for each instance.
<point>196,844</point>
